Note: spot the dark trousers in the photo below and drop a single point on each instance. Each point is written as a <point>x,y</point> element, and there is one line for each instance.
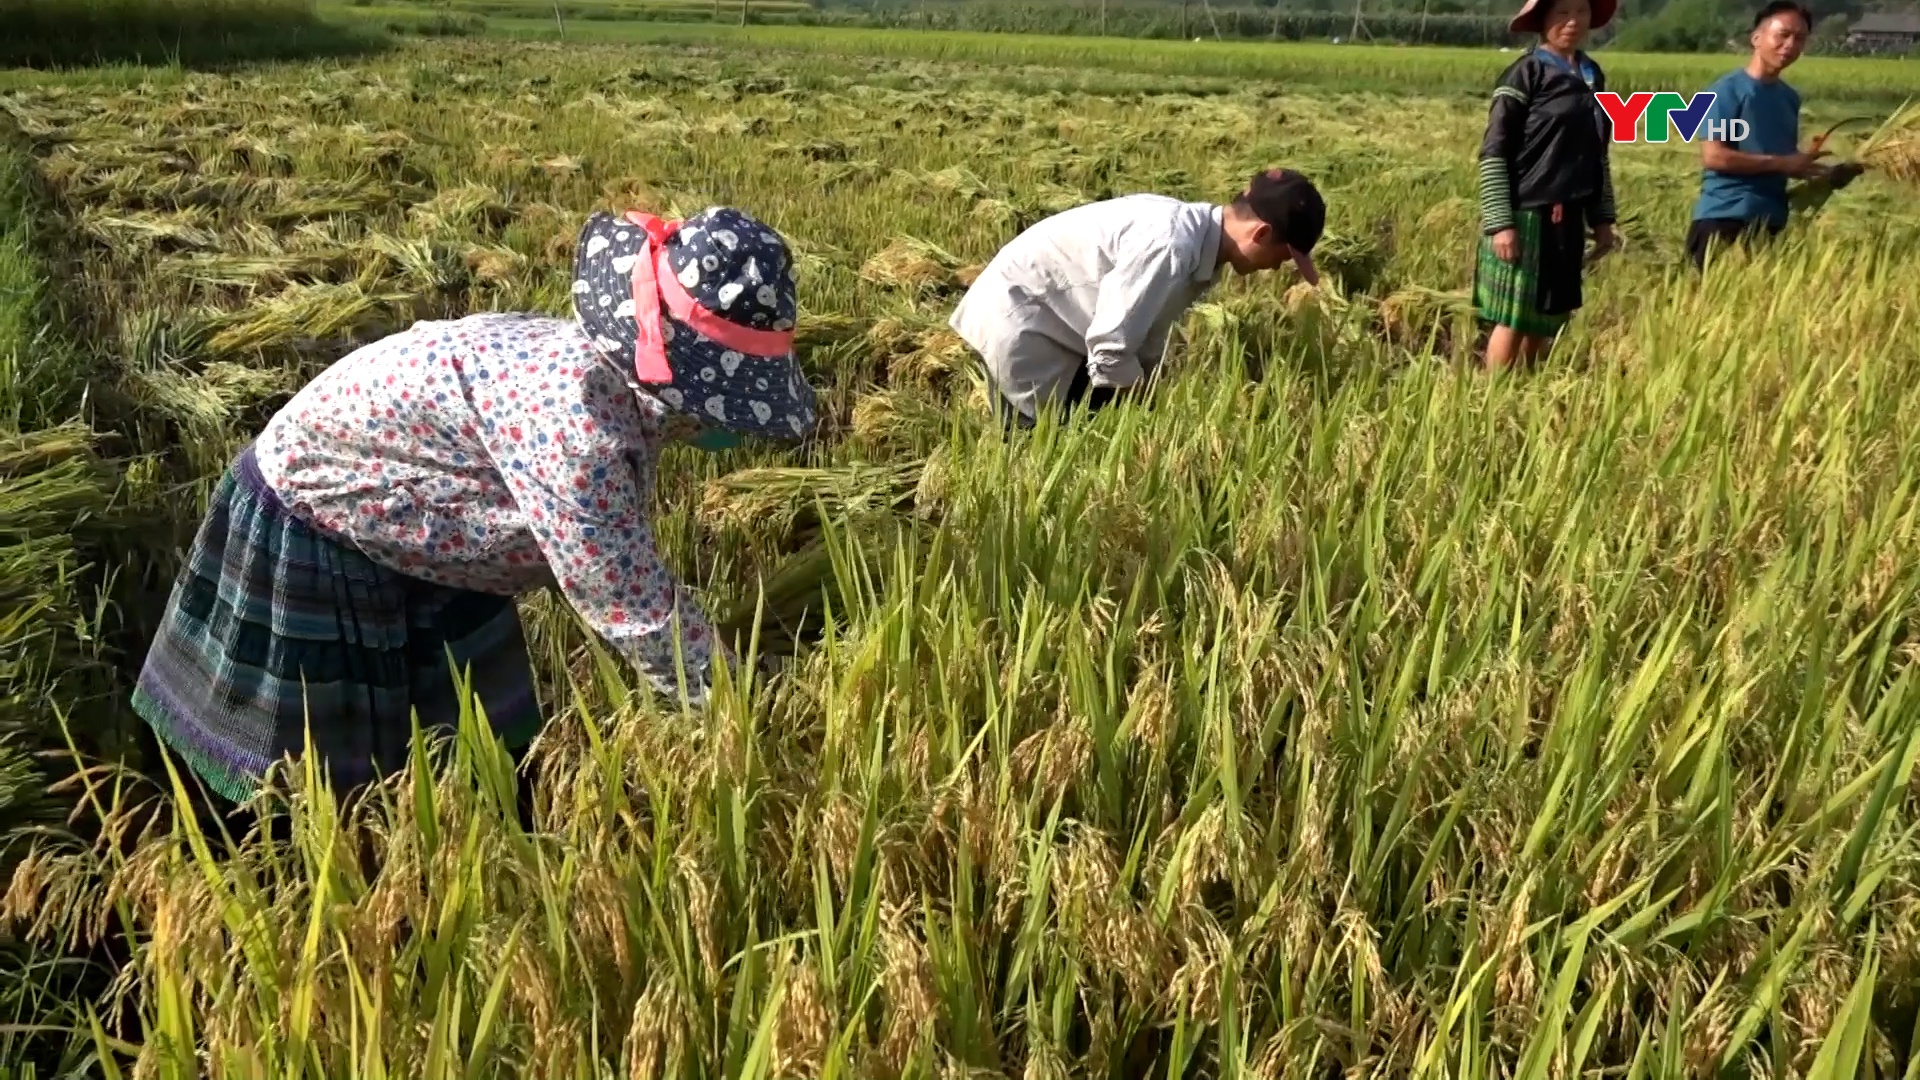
<point>1709,233</point>
<point>1081,390</point>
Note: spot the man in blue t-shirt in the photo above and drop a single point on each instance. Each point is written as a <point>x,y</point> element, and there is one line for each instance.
<point>1744,189</point>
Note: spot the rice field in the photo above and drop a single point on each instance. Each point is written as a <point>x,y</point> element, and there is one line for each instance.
<point>1339,711</point>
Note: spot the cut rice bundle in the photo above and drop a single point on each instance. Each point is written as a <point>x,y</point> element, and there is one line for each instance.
<point>915,266</point>
<point>1894,149</point>
<point>858,498</point>
<point>760,499</point>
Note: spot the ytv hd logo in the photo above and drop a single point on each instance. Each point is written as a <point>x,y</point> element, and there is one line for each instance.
<point>1667,108</point>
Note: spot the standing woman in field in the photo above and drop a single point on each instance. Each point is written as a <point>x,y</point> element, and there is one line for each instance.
<point>1544,179</point>
<point>391,512</point>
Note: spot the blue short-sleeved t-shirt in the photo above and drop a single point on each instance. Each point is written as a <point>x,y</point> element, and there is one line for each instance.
<point>1772,113</point>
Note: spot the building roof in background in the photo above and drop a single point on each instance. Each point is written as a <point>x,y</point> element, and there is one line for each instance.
<point>1888,22</point>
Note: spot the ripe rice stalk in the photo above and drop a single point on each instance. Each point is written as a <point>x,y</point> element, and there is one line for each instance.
<point>832,173</point>
<point>386,154</point>
<point>126,186</point>
<point>361,197</point>
<point>563,165</point>
<point>298,313</point>
<point>782,599</point>
<point>1355,260</point>
<point>41,124</point>
<point>133,232</point>
<point>160,191</point>
<point>1410,314</point>
<point>1894,148</point>
<point>1018,209</point>
<point>83,171</point>
<point>913,265</point>
<point>512,121</point>
<point>730,125</point>
<point>1001,213</point>
<point>469,207</point>
<point>955,180</point>
<point>760,500</point>
<point>48,478</point>
<point>427,265</point>
<point>652,132</point>
<point>815,329</point>
<point>240,270</point>
<point>137,190</point>
<point>1448,216</point>
<point>1327,314</point>
<point>259,156</point>
<point>179,397</point>
<point>242,386</point>
<point>309,236</point>
<point>898,421</point>
<point>813,257</point>
<point>507,160</point>
<point>936,356</point>
<point>492,264</point>
<point>207,403</point>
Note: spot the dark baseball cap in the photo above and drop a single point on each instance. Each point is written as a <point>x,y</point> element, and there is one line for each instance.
<point>1291,204</point>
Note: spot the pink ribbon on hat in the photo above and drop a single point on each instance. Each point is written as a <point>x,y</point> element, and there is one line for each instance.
<point>654,281</point>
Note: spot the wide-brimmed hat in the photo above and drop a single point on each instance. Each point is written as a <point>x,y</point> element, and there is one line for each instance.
<point>1528,20</point>
<point>702,312</point>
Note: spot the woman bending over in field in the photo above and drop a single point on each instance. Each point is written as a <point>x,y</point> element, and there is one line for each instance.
<point>390,513</point>
<point>1544,178</point>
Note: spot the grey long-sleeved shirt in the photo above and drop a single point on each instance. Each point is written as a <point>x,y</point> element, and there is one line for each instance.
<point>1100,285</point>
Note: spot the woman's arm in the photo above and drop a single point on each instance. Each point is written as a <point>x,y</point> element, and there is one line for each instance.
<point>579,470</point>
<point>1506,128</point>
<point>1606,213</point>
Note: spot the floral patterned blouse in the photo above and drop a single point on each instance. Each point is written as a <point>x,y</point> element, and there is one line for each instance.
<point>497,453</point>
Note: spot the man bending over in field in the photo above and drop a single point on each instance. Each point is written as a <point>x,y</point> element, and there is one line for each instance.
<point>1744,184</point>
<point>1079,306</point>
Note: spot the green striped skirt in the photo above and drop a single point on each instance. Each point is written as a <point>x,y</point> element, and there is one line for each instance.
<point>274,628</point>
<point>1538,294</point>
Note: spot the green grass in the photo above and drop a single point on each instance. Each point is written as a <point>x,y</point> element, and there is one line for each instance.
<point>1319,67</point>
<point>1337,709</point>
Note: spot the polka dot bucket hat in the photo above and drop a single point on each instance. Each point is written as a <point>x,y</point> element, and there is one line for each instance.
<point>702,312</point>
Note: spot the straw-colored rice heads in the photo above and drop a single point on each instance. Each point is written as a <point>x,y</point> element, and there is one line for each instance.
<point>1421,319</point>
<point>773,500</point>
<point>919,353</point>
<point>1893,150</point>
<point>260,156</point>
<point>820,328</point>
<point>895,421</point>
<point>1449,217</point>
<point>468,208</point>
<point>299,314</point>
<point>1898,159</point>
<point>1325,318</point>
<point>130,233</point>
<point>914,266</point>
<point>221,270</point>
<point>1355,260</point>
<point>492,264</point>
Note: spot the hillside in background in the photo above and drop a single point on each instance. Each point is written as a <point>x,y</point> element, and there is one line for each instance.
<point>1643,25</point>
